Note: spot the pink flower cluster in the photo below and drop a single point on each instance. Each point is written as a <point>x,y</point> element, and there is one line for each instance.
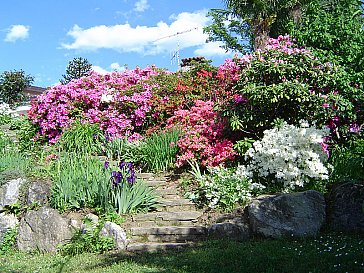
<point>101,99</point>
<point>202,135</point>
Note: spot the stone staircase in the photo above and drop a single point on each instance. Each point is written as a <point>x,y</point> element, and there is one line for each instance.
<point>175,223</point>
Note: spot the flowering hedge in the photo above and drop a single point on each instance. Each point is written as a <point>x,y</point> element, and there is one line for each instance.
<point>100,99</point>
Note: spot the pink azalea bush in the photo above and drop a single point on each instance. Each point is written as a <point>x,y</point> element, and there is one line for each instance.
<point>202,139</point>
<point>101,99</point>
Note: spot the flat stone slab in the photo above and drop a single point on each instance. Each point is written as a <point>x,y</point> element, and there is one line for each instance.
<point>152,247</point>
<point>168,216</point>
<point>170,230</point>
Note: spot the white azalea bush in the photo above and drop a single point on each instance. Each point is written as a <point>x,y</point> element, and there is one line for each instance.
<point>288,155</point>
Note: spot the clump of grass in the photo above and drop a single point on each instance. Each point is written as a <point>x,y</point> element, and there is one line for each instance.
<point>160,151</point>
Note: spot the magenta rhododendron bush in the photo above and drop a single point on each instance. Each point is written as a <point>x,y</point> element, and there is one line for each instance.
<point>102,99</point>
<point>202,139</point>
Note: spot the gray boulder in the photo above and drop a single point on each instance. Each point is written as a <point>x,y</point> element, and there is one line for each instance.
<point>115,232</point>
<point>38,192</point>
<point>9,192</point>
<point>43,230</point>
<point>298,214</point>
<point>7,221</point>
<point>346,207</point>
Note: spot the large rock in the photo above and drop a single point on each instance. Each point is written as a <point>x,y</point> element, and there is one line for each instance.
<point>39,192</point>
<point>43,230</point>
<point>7,221</point>
<point>114,231</point>
<point>9,192</point>
<point>346,207</point>
<point>295,214</point>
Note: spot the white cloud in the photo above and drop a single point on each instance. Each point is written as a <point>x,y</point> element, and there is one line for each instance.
<point>185,30</point>
<point>212,49</point>
<point>17,32</point>
<point>99,70</point>
<point>141,6</point>
<point>117,67</point>
<point>113,67</point>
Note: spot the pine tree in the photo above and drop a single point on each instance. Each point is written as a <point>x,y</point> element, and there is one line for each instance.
<point>76,69</point>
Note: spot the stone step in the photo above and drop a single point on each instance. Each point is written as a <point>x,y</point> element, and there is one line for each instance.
<point>171,238</point>
<point>155,183</point>
<point>169,230</point>
<point>168,216</point>
<point>161,223</point>
<point>153,247</point>
<point>150,176</point>
<point>176,205</point>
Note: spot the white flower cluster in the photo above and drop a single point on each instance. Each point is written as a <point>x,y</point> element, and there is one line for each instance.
<point>5,109</point>
<point>224,188</point>
<point>292,155</point>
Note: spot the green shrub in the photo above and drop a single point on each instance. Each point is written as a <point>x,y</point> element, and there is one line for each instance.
<point>88,240</point>
<point>348,162</point>
<point>8,241</point>
<point>26,133</point>
<point>290,83</point>
<point>222,188</point>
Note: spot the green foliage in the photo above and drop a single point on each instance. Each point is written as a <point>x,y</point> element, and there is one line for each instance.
<point>229,29</point>
<point>76,69</point>
<point>121,149</point>
<point>132,198</point>
<point>246,25</point>
<point>82,138</point>
<point>26,133</point>
<point>12,85</point>
<point>348,162</point>
<point>221,188</point>
<point>160,151</point>
<point>88,240</point>
<point>12,162</point>
<point>8,242</point>
<point>78,182</point>
<point>335,30</point>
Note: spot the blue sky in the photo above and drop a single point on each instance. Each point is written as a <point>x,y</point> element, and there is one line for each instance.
<point>42,36</point>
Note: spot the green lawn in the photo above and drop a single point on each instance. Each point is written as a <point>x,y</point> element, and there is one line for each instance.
<point>328,253</point>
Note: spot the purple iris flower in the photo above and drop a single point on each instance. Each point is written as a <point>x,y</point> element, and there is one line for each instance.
<point>106,164</point>
<point>116,178</point>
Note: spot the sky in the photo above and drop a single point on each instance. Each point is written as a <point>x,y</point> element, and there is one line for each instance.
<point>41,37</point>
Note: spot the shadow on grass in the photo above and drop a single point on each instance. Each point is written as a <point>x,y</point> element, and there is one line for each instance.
<point>212,256</point>
<point>254,256</point>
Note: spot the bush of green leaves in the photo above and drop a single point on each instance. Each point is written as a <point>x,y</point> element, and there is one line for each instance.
<point>348,162</point>
<point>88,240</point>
<point>221,188</point>
<point>290,83</point>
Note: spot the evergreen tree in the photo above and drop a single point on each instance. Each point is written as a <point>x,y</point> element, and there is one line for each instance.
<point>76,69</point>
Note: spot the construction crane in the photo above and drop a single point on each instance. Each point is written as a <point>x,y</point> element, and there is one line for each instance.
<point>176,54</point>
